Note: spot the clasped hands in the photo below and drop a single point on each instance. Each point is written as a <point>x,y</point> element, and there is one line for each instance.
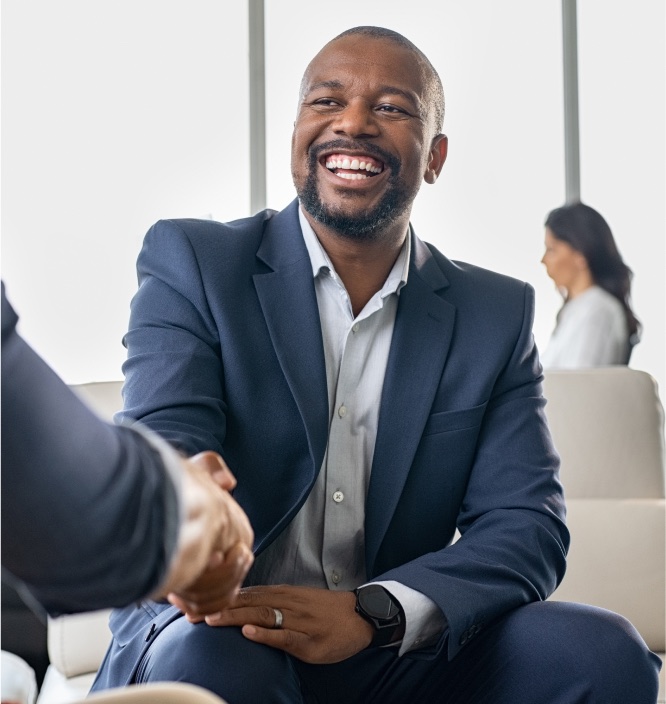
<point>214,551</point>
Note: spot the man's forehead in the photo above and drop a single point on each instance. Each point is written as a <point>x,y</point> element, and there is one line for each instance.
<point>354,47</point>
<point>354,54</point>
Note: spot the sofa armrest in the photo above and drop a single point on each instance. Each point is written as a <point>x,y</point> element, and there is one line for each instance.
<point>77,642</point>
<point>617,561</point>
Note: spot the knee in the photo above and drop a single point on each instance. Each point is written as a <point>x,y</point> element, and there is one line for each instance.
<point>220,660</point>
<point>598,650</point>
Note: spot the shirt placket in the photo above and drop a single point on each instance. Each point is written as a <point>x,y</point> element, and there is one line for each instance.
<point>343,544</point>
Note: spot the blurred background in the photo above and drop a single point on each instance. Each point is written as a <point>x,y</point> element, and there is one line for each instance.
<point>118,113</point>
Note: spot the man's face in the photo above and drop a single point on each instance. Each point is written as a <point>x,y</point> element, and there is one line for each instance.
<point>362,137</point>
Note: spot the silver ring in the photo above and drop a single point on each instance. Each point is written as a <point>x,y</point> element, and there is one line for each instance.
<point>278,618</point>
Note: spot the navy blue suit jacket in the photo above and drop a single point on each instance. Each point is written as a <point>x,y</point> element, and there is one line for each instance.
<point>225,353</point>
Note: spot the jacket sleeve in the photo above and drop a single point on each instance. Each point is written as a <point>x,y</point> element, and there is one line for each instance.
<point>173,349</point>
<point>90,517</point>
<point>513,540</point>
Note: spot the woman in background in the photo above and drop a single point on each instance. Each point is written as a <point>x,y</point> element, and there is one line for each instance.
<point>596,325</point>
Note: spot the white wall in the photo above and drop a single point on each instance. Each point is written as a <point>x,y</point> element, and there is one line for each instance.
<point>115,114</point>
<point>623,149</point>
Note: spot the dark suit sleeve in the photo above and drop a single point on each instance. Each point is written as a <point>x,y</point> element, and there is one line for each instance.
<point>173,373</point>
<point>89,515</point>
<point>514,540</point>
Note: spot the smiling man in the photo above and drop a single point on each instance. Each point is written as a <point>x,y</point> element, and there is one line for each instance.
<point>370,396</point>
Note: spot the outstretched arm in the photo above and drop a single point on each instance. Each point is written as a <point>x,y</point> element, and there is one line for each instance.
<point>96,515</point>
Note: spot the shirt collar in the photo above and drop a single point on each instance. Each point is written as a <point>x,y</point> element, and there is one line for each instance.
<point>321,262</point>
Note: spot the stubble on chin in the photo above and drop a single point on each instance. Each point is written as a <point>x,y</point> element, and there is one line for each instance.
<point>364,225</point>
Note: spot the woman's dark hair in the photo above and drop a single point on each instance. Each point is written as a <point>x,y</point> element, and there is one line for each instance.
<point>584,229</point>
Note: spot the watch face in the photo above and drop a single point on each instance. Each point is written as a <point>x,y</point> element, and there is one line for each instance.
<point>376,605</point>
<point>377,602</point>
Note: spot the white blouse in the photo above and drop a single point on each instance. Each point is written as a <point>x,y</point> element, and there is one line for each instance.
<point>591,332</point>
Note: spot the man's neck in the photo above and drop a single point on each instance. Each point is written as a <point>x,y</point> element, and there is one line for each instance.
<point>363,266</point>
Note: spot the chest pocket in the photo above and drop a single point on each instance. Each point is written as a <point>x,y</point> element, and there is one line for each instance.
<point>449,421</point>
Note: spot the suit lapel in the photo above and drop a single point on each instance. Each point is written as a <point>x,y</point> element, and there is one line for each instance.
<point>421,339</point>
<point>289,304</point>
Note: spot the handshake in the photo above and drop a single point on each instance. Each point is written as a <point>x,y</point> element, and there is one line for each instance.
<point>214,551</point>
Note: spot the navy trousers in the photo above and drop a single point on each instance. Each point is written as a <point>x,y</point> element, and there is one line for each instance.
<point>542,653</point>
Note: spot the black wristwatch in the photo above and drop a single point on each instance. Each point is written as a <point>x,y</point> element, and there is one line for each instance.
<point>381,610</point>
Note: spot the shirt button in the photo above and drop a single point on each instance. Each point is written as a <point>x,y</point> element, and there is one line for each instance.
<point>342,411</point>
<point>335,578</point>
<point>355,327</point>
<point>338,496</point>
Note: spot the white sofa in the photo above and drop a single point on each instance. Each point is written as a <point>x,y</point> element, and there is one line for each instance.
<point>76,646</point>
<point>608,426</point>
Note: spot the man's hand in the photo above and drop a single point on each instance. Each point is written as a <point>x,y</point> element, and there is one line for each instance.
<point>215,541</point>
<point>319,626</point>
<point>217,587</point>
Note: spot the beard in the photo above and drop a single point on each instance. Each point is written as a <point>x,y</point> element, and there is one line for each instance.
<point>367,225</point>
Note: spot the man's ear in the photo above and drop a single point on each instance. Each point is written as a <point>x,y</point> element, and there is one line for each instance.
<point>438,151</point>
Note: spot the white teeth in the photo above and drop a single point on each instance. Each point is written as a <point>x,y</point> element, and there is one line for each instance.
<point>353,164</point>
<point>352,177</point>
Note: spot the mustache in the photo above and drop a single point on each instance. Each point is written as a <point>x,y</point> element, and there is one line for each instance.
<point>390,160</point>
